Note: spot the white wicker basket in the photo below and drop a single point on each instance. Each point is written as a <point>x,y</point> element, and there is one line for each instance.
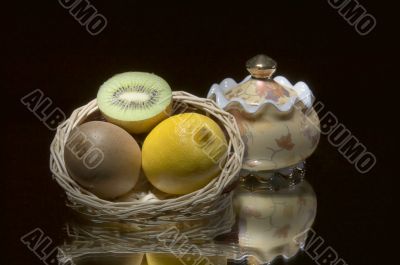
<point>144,213</point>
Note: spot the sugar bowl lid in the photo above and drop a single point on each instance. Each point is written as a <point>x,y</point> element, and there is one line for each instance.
<point>260,89</point>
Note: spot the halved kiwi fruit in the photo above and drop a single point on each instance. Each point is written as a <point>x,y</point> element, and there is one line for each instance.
<point>135,101</point>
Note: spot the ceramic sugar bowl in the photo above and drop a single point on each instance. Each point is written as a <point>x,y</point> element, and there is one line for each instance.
<point>276,119</point>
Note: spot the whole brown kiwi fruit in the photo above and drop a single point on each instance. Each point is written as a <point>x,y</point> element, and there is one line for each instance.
<point>103,158</point>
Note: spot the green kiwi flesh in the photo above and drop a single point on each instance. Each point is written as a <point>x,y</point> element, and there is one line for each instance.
<point>135,101</point>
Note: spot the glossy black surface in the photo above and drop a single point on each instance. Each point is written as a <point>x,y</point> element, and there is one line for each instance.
<point>193,45</point>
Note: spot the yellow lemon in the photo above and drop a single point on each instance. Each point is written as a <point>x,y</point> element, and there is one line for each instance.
<point>183,153</point>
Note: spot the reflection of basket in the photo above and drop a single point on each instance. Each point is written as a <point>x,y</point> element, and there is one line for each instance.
<point>143,213</point>
<point>85,239</point>
<point>97,242</point>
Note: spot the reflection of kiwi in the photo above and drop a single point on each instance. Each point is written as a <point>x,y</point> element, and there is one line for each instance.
<point>135,101</point>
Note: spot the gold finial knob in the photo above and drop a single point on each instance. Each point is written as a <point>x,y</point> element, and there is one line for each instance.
<point>261,66</point>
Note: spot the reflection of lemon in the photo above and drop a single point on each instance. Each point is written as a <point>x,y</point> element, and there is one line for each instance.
<point>179,259</point>
<point>183,153</point>
<point>109,258</point>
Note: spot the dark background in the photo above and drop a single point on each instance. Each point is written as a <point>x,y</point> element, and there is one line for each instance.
<point>192,46</point>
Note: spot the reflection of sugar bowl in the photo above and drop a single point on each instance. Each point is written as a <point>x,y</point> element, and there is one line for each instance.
<point>277,122</point>
<point>273,223</point>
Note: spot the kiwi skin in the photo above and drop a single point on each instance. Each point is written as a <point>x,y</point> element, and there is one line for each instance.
<point>142,126</point>
<point>119,169</point>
